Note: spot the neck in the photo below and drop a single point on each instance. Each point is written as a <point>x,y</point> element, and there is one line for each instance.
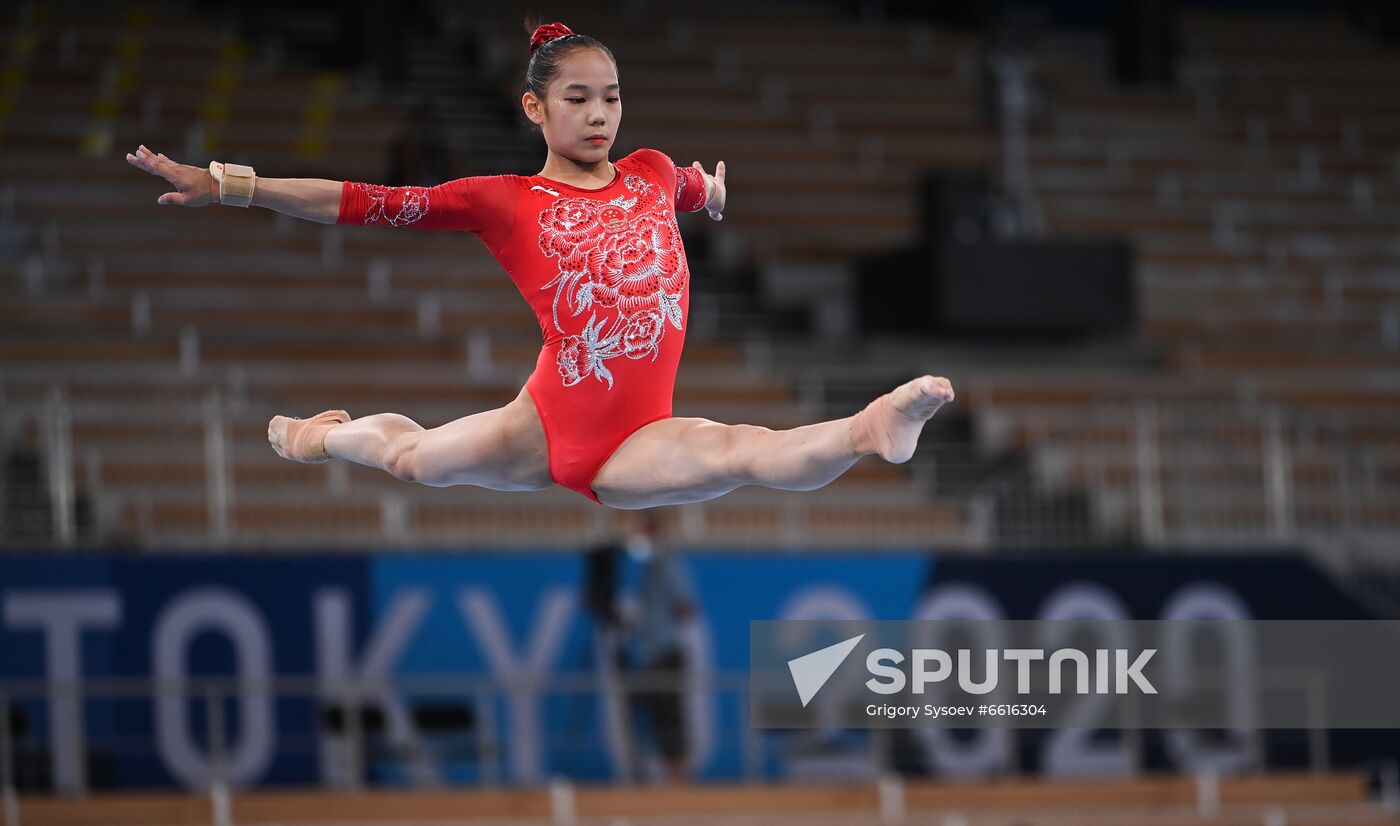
<point>577,173</point>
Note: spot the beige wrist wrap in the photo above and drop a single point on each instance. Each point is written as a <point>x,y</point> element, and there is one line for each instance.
<point>236,183</point>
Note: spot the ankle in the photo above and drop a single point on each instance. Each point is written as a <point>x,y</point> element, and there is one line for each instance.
<point>325,445</point>
<point>854,441</point>
<point>863,440</point>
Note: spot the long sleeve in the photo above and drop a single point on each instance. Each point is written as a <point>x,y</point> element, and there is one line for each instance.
<point>466,204</point>
<point>689,182</point>
<point>690,189</point>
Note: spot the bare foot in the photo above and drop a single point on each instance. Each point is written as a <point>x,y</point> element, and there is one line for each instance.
<point>891,424</point>
<point>304,440</point>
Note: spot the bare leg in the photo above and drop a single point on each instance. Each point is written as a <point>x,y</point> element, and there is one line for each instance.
<point>675,461</point>
<point>379,441</point>
<point>804,458</point>
<point>502,449</point>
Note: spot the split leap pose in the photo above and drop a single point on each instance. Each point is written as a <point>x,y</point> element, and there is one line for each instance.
<point>594,249</point>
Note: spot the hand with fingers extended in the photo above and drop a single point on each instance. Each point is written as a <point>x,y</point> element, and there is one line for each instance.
<point>194,186</point>
<point>714,190</point>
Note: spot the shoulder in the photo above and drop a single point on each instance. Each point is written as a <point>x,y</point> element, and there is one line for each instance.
<point>489,192</point>
<point>488,183</point>
<point>653,159</point>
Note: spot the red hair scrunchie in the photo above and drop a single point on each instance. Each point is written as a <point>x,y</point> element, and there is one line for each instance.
<point>546,33</point>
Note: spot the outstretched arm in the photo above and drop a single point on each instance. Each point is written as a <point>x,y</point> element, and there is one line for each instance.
<point>714,190</point>
<point>311,199</point>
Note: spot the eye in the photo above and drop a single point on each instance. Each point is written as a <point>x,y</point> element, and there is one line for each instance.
<point>574,100</point>
<point>614,99</point>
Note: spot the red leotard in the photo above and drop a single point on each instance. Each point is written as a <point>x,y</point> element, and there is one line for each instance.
<point>605,273</point>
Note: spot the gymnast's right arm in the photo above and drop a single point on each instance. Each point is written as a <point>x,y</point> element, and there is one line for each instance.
<point>479,205</point>
<point>311,199</point>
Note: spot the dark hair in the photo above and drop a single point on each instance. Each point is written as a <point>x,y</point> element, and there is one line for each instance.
<point>546,59</point>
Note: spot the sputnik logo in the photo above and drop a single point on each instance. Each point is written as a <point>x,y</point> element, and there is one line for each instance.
<point>811,671</point>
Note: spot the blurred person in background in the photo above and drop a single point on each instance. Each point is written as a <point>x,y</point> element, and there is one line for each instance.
<point>641,641</point>
<point>664,618</point>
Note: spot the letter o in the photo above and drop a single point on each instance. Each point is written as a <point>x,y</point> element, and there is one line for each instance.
<point>232,615</point>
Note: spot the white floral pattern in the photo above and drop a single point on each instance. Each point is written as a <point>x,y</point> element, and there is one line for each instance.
<point>620,261</point>
<point>396,206</point>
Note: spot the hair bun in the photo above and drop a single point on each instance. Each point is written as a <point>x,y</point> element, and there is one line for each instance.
<point>546,33</point>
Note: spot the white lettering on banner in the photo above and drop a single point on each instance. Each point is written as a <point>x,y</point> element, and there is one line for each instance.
<point>1079,749</point>
<point>1226,614</point>
<point>521,675</point>
<point>824,602</point>
<point>61,617</point>
<point>371,678</point>
<point>699,707</point>
<point>231,614</point>
<point>988,750</point>
<point>613,707</point>
<point>525,656</point>
<point>827,602</point>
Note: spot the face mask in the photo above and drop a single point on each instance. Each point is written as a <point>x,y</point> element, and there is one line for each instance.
<point>639,548</point>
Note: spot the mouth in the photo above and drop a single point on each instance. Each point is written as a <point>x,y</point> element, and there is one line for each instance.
<point>597,140</point>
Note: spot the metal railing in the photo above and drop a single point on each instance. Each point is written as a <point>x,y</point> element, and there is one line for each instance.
<point>1159,474</point>
<point>1182,475</point>
<point>389,512</point>
<point>214,734</point>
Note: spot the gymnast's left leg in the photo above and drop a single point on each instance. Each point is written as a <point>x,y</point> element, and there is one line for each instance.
<point>675,461</point>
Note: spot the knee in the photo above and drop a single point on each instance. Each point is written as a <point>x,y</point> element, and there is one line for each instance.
<point>742,449</point>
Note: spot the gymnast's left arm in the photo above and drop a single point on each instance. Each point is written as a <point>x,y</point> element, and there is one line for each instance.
<point>714,190</point>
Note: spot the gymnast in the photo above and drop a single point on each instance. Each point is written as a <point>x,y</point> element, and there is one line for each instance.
<point>593,247</point>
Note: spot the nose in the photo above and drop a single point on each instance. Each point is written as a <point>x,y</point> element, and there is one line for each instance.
<point>596,115</point>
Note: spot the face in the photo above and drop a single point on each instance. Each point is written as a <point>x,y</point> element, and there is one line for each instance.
<point>582,107</point>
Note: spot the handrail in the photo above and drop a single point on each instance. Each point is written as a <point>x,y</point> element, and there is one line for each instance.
<point>485,690</point>
<point>57,426</point>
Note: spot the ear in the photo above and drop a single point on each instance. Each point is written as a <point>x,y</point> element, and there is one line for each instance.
<point>534,108</point>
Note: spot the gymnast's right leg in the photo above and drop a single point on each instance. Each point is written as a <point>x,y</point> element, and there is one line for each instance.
<point>502,449</point>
